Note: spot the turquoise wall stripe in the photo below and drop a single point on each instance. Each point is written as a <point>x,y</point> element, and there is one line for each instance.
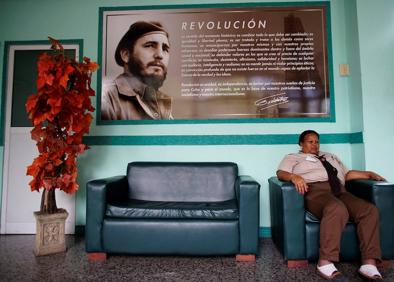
<point>265,232</point>
<point>356,138</point>
<point>266,139</point>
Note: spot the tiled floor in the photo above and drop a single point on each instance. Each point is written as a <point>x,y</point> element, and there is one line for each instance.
<point>18,263</point>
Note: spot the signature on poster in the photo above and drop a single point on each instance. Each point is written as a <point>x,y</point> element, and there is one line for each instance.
<point>271,101</point>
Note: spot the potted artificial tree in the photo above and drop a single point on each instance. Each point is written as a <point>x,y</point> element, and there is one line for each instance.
<point>60,113</point>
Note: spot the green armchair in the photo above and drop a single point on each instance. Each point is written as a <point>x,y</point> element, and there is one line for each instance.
<point>295,231</point>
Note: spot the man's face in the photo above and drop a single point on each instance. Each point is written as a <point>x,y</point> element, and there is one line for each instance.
<point>150,57</point>
<point>311,144</point>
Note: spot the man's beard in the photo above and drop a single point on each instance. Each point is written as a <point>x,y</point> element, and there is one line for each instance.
<point>156,81</point>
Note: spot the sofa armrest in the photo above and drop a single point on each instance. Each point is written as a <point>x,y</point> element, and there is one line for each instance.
<point>98,192</point>
<point>287,219</point>
<point>248,196</point>
<point>382,195</point>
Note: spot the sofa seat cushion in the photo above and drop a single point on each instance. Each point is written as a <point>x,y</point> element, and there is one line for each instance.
<point>309,217</point>
<point>156,209</point>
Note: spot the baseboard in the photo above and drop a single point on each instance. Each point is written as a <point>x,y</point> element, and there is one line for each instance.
<point>265,232</point>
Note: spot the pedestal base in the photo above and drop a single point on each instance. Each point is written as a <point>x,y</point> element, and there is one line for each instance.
<point>50,238</point>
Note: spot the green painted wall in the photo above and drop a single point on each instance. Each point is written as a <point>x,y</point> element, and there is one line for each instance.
<point>354,79</point>
<point>74,19</point>
<point>376,35</point>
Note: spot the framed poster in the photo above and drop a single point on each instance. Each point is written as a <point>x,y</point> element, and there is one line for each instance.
<point>253,62</point>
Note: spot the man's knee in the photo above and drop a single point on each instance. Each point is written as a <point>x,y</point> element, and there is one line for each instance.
<point>338,210</point>
<point>368,212</point>
<point>371,211</point>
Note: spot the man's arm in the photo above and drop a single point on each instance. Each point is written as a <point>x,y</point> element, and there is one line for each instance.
<point>360,174</point>
<point>299,182</point>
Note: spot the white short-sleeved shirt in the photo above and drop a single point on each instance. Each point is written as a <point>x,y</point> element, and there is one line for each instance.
<point>309,167</point>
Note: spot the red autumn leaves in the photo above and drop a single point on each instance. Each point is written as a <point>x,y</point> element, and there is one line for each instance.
<point>60,113</point>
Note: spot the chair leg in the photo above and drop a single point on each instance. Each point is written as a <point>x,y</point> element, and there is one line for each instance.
<point>297,263</point>
<point>92,257</point>
<point>245,258</point>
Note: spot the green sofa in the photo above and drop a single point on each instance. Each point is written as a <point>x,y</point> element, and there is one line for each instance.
<point>295,232</point>
<point>162,208</point>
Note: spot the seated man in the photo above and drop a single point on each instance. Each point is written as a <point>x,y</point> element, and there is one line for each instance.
<point>320,177</point>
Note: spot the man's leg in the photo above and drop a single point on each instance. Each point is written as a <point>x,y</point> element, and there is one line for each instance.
<point>366,216</point>
<point>333,215</point>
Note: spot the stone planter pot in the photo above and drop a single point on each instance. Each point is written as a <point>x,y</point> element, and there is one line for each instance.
<point>50,238</point>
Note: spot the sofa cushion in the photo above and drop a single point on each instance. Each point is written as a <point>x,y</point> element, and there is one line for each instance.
<point>309,217</point>
<point>182,182</point>
<point>181,210</point>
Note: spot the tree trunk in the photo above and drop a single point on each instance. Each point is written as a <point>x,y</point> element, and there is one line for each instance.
<point>48,201</point>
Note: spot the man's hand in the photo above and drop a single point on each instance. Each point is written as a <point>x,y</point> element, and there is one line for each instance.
<point>375,176</point>
<point>300,184</point>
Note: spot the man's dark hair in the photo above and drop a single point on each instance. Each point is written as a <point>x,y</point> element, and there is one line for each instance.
<point>136,30</point>
<point>305,133</point>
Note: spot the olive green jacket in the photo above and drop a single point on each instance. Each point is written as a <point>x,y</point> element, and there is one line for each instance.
<point>127,98</point>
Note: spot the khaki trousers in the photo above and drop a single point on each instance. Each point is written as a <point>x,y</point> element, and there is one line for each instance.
<point>334,213</point>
